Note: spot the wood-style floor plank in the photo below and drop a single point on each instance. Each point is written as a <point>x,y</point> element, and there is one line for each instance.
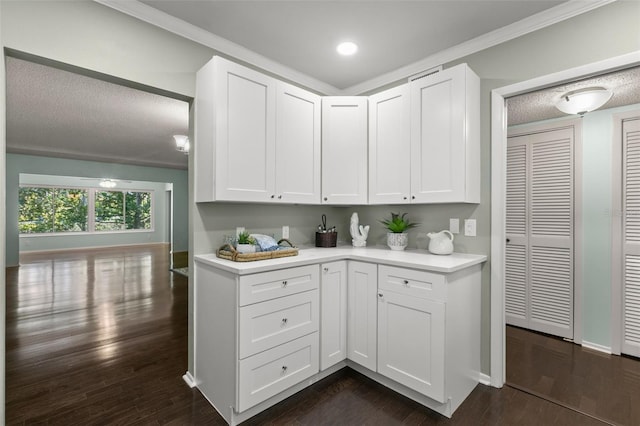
<point>99,337</point>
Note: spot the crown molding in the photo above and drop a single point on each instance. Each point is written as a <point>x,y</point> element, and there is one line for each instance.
<point>527,25</point>
<point>177,26</point>
<point>189,31</point>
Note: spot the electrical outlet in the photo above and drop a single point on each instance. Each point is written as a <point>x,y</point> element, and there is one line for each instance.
<point>285,232</point>
<point>239,230</point>
<point>454,225</point>
<point>470,227</point>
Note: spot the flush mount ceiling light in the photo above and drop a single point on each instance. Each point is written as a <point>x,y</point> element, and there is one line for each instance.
<point>182,143</point>
<point>108,183</point>
<point>582,101</point>
<point>347,48</point>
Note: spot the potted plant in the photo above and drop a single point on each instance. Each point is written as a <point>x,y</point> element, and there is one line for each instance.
<point>246,243</point>
<point>397,237</point>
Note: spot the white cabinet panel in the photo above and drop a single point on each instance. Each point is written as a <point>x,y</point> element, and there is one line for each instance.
<point>283,282</point>
<point>271,372</point>
<point>344,150</point>
<point>413,283</point>
<point>297,145</point>
<point>333,295</point>
<point>245,106</point>
<point>271,323</point>
<point>389,147</point>
<point>362,324</point>
<point>411,342</point>
<point>445,137</point>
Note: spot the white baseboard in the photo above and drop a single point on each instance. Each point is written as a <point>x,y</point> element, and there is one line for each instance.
<point>596,347</point>
<point>485,379</point>
<point>188,378</point>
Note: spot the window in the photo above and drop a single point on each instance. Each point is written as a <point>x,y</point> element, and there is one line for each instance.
<point>60,210</point>
<point>44,210</point>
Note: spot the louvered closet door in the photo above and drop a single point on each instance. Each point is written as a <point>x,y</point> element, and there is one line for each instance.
<point>539,222</point>
<point>631,235</point>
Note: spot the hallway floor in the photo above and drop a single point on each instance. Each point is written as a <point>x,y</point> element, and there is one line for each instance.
<point>99,337</point>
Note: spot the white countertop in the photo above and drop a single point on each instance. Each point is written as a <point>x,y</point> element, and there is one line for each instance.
<point>415,259</point>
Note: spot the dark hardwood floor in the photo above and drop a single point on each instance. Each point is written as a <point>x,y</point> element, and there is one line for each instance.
<point>601,385</point>
<point>99,337</point>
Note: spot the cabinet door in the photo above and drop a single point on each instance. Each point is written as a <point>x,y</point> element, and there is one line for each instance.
<point>411,342</point>
<point>245,105</point>
<point>333,316</point>
<point>344,150</point>
<point>297,145</point>
<point>362,323</point>
<point>389,147</point>
<point>445,144</point>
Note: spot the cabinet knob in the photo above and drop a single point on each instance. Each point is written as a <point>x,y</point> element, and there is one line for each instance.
<point>413,197</point>
<point>284,368</point>
<point>279,197</point>
<point>284,321</point>
<point>326,199</point>
<point>284,283</point>
<point>380,295</point>
<point>326,269</point>
<point>273,196</point>
<point>406,282</point>
<point>404,198</point>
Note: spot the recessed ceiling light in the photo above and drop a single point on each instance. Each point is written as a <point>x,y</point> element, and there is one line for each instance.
<point>347,48</point>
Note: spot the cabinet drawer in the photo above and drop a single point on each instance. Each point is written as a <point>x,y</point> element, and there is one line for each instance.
<point>267,324</point>
<point>271,372</point>
<point>270,285</point>
<point>412,282</point>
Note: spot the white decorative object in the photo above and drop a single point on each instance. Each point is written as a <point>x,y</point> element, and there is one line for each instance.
<point>359,233</point>
<point>441,242</point>
<point>246,248</point>
<point>397,240</point>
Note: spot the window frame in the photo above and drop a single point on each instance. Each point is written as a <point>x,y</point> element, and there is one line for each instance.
<point>91,198</point>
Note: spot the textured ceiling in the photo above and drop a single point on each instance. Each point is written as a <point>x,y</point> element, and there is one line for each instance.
<point>59,113</point>
<point>540,105</point>
<point>391,34</point>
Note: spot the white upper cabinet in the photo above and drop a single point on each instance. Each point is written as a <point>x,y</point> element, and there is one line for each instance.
<point>344,150</point>
<point>257,139</point>
<point>389,147</point>
<point>445,137</point>
<point>297,145</point>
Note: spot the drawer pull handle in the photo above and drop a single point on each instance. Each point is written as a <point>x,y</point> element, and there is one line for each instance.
<point>284,321</point>
<point>284,368</point>
<point>284,283</point>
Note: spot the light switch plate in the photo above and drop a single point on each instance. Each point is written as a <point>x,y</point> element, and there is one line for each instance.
<point>285,232</point>
<point>454,225</point>
<point>470,227</point>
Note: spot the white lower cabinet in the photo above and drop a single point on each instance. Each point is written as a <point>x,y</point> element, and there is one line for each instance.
<point>261,337</point>
<point>411,342</point>
<point>333,302</point>
<point>362,323</point>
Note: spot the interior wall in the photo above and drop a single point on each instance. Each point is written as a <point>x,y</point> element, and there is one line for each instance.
<point>154,177</point>
<point>3,144</point>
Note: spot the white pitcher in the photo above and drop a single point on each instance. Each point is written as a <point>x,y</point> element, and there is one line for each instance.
<point>441,242</point>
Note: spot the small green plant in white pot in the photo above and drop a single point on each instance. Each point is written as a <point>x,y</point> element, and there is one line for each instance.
<point>246,243</point>
<point>398,225</point>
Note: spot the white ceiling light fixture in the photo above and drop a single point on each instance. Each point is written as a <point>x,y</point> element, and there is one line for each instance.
<point>585,100</point>
<point>347,48</point>
<point>182,143</point>
<point>108,183</point>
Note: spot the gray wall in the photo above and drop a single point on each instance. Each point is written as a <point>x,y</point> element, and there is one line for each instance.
<point>17,163</point>
<point>82,34</point>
